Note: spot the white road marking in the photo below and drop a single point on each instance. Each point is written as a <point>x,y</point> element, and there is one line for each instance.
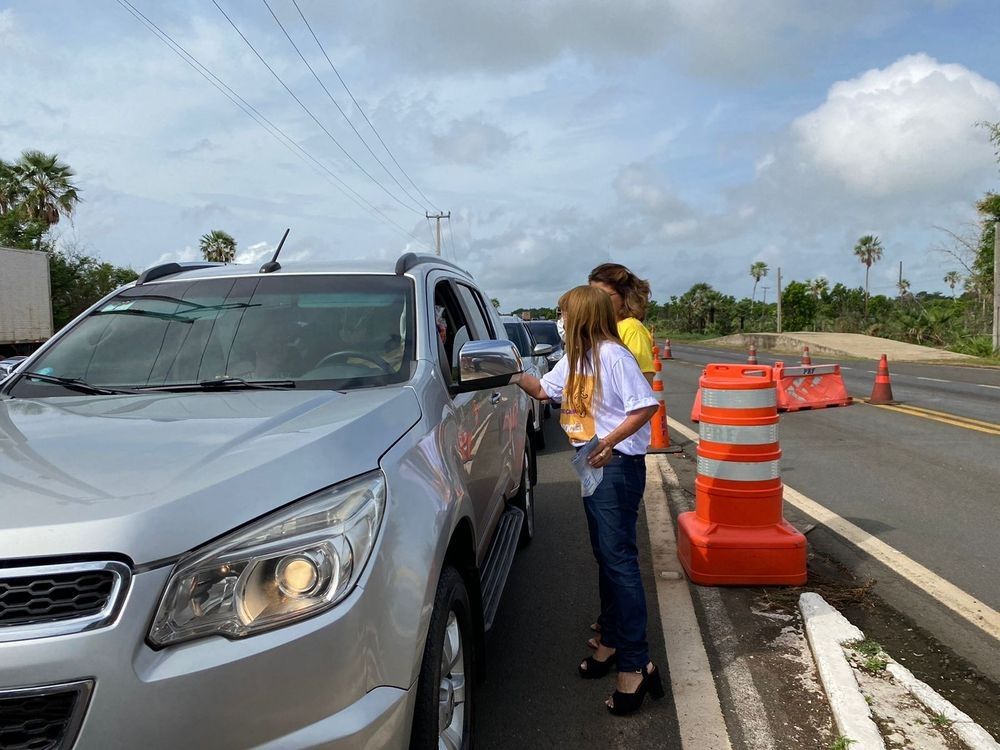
<point>964,605</point>
<point>984,385</point>
<point>933,380</point>
<point>699,713</point>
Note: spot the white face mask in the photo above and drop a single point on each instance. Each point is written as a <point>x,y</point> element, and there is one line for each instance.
<point>561,328</point>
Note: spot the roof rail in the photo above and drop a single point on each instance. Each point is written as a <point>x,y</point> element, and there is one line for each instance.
<point>411,260</point>
<point>169,269</point>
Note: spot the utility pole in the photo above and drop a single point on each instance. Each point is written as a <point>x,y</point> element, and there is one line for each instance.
<point>996,287</point>
<point>779,299</point>
<point>438,216</point>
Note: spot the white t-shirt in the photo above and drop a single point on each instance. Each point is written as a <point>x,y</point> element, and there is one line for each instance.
<point>624,389</point>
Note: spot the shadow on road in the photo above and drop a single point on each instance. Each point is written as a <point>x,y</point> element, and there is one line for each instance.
<point>533,697</point>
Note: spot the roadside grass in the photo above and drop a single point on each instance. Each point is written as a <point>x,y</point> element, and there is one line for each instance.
<point>940,720</point>
<point>675,336</point>
<point>874,660</point>
<point>842,743</point>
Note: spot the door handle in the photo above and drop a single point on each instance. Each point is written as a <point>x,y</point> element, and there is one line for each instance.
<point>495,398</point>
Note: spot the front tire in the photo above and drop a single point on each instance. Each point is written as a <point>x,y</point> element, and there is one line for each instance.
<point>444,713</point>
<point>525,498</point>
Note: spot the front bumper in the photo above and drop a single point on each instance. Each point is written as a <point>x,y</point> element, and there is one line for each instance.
<point>302,686</point>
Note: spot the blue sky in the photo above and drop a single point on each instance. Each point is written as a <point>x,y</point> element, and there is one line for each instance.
<point>685,138</point>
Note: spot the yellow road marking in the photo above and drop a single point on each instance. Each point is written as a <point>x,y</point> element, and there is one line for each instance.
<point>953,419</point>
<point>964,605</point>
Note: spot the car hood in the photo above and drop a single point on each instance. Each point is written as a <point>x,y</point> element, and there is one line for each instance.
<point>151,476</point>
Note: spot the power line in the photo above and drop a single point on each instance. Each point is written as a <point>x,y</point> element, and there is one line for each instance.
<point>273,130</point>
<point>307,110</point>
<point>337,105</point>
<point>360,109</point>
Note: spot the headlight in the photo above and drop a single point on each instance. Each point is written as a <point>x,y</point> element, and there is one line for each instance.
<point>288,566</point>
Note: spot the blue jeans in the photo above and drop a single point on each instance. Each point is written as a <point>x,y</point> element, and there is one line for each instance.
<point>612,513</point>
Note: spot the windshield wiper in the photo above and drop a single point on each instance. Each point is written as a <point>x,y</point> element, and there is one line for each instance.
<point>75,384</point>
<point>224,384</point>
<point>174,317</point>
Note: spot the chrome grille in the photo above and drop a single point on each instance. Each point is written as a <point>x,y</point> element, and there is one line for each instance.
<point>42,718</point>
<point>43,600</point>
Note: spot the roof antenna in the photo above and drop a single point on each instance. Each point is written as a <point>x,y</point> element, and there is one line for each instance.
<point>273,264</point>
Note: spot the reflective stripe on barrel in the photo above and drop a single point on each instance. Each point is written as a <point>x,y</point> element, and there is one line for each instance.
<point>740,471</point>
<point>757,398</point>
<point>738,435</point>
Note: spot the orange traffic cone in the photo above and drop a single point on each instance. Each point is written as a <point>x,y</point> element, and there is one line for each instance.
<point>806,359</point>
<point>656,352</point>
<point>882,390</point>
<point>752,356</point>
<point>660,440</point>
<point>666,350</point>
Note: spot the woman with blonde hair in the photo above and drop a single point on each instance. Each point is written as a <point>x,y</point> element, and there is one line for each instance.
<point>629,297</point>
<point>604,395</point>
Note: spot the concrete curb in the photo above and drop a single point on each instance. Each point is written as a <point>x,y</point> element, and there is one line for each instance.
<point>827,630</point>
<point>970,733</point>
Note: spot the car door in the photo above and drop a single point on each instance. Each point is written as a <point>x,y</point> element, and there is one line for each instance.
<point>476,415</point>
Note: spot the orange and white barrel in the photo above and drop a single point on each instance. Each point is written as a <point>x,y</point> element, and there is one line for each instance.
<point>737,533</point>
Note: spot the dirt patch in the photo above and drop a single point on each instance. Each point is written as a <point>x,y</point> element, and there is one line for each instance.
<point>902,719</point>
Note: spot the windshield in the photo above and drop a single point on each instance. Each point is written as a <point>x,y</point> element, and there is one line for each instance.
<point>545,332</point>
<point>336,331</point>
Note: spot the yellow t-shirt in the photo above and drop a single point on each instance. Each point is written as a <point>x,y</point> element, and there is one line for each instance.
<point>638,340</point>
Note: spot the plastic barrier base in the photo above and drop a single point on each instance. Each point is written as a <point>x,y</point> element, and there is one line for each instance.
<point>716,555</point>
<point>815,387</point>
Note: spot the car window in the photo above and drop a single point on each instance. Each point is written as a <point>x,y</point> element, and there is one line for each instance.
<point>517,333</point>
<point>545,332</point>
<point>475,310</point>
<point>322,331</point>
<point>453,328</point>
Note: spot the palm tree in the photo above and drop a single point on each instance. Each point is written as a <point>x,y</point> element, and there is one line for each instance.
<point>46,190</point>
<point>818,286</point>
<point>868,250</point>
<point>218,247</point>
<point>10,188</point>
<point>903,285</point>
<point>951,279</point>
<point>758,270</point>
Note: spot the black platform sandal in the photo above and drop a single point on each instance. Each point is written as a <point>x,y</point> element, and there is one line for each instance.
<point>623,704</point>
<point>593,669</point>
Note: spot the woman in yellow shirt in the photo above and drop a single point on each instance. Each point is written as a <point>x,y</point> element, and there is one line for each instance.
<point>629,296</point>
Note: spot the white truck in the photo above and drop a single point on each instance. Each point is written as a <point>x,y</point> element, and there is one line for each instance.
<point>25,300</point>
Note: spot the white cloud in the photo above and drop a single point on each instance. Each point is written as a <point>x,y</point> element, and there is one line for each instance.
<point>906,128</point>
<point>472,141</point>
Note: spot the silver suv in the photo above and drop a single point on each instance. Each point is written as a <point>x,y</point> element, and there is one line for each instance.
<point>267,508</point>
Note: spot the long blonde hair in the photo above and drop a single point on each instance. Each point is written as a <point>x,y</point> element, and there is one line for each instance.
<point>590,321</point>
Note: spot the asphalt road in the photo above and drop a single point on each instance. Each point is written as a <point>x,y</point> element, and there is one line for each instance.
<point>929,488</point>
<point>972,392</point>
<point>532,697</point>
